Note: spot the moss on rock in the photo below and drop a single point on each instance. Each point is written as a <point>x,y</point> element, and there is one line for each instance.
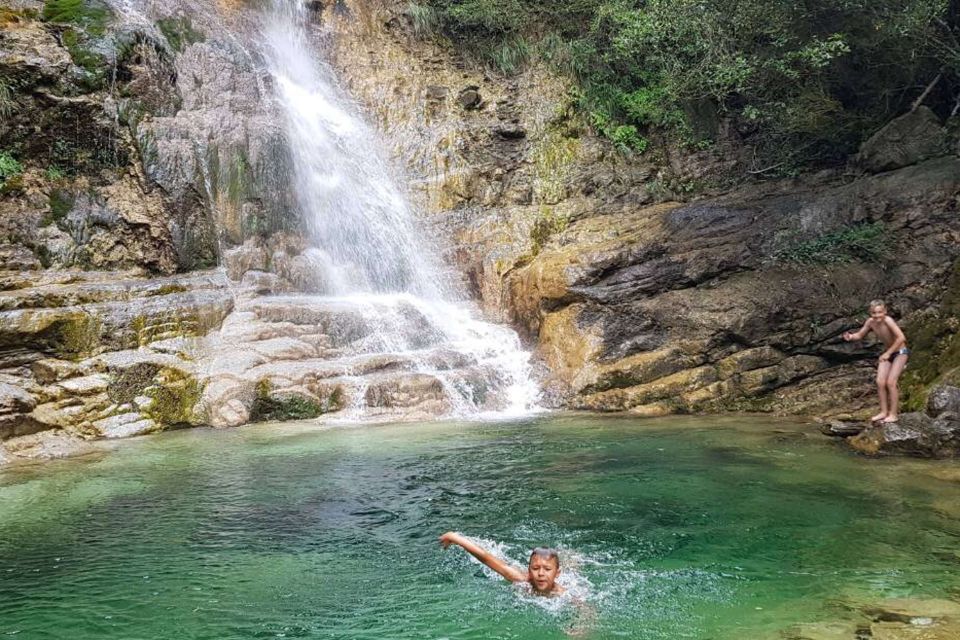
<point>90,15</point>
<point>74,335</point>
<point>179,32</point>
<point>271,405</point>
<point>174,394</point>
<point>934,339</point>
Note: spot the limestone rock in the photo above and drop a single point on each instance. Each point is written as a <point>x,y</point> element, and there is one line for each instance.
<point>936,630</point>
<point>911,138</point>
<point>915,434</point>
<point>435,92</point>
<point>943,399</point>
<point>841,429</point>
<point>249,256</point>
<point>45,445</point>
<point>18,258</point>
<point>29,52</point>
<point>125,425</point>
<point>15,407</point>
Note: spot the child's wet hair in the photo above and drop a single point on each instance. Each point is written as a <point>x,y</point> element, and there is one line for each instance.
<point>876,303</point>
<point>545,552</point>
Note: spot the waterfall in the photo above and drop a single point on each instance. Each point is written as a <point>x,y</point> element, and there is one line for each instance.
<point>364,238</point>
<point>361,227</point>
<point>388,332</point>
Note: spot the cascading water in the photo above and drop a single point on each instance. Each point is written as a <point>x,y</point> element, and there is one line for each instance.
<point>365,247</point>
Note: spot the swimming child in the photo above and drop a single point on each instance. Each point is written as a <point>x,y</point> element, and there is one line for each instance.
<point>542,568</point>
<point>892,361</point>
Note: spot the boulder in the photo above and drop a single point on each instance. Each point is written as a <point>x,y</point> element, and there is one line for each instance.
<point>909,139</point>
<point>915,434</point>
<point>943,399</point>
<point>469,98</point>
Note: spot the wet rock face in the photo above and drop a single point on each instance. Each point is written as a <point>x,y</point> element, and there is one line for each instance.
<point>692,307</point>
<point>225,146</point>
<point>76,199</point>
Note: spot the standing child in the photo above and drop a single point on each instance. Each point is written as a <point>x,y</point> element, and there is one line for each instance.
<point>892,360</point>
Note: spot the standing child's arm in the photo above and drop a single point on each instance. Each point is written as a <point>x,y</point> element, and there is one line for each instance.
<point>510,573</point>
<point>857,335</point>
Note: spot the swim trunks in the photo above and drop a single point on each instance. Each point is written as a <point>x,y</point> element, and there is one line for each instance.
<point>900,352</point>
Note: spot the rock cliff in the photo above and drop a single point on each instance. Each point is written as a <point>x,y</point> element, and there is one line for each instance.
<point>138,152</point>
<point>662,283</point>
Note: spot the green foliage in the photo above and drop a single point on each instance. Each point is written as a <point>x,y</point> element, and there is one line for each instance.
<point>89,15</point>
<point>804,83</point>
<point>858,243</point>
<point>424,18</point>
<point>10,167</point>
<point>55,173</point>
<point>85,21</point>
<point>179,32</point>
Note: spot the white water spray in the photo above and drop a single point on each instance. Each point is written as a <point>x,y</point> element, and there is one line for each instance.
<point>365,243</point>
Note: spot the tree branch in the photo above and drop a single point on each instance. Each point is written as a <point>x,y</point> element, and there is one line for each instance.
<point>926,92</point>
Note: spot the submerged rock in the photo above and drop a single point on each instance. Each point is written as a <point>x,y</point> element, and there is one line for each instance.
<point>841,429</point>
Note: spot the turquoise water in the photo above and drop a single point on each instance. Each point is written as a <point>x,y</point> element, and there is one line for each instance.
<point>676,528</point>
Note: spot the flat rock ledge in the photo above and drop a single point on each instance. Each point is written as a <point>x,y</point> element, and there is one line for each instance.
<point>93,357</point>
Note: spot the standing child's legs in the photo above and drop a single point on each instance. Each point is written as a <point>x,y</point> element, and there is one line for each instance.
<point>883,370</point>
<point>893,391</point>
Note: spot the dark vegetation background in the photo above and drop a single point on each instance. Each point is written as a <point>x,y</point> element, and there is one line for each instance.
<point>802,82</point>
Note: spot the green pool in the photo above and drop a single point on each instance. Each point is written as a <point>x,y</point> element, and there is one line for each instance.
<point>676,528</point>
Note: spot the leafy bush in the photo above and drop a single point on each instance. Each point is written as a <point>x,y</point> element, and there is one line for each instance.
<point>54,173</point>
<point>803,82</point>
<point>861,243</point>
<point>10,167</point>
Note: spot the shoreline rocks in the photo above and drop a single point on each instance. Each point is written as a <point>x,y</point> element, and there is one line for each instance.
<point>933,433</point>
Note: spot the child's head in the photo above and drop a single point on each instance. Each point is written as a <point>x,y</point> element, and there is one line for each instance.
<point>878,309</point>
<point>543,569</point>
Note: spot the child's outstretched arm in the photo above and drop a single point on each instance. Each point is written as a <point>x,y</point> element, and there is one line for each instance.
<point>857,335</point>
<point>510,573</point>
